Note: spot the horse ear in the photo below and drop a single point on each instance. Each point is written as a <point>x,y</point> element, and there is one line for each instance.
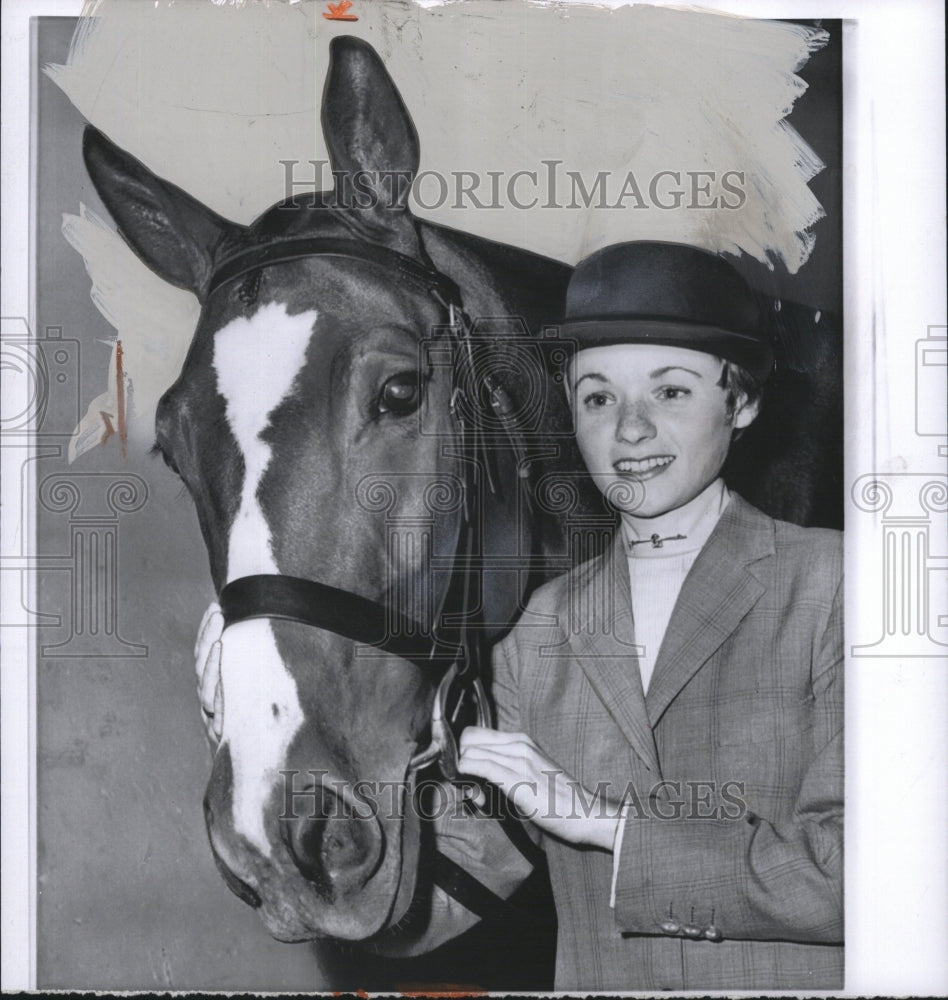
<point>173,233</point>
<point>367,127</point>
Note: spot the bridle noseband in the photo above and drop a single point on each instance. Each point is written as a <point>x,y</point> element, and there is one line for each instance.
<point>460,695</point>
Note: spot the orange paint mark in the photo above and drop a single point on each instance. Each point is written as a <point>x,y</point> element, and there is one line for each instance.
<point>120,397</point>
<point>435,990</point>
<point>337,11</point>
<point>439,990</point>
<point>109,429</point>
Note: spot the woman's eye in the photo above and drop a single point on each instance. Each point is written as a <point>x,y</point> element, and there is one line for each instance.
<point>597,400</point>
<point>400,395</point>
<point>672,392</point>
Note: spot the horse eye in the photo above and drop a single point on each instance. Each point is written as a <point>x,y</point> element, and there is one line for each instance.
<point>400,395</point>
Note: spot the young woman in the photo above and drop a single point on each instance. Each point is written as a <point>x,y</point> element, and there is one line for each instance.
<point>671,712</point>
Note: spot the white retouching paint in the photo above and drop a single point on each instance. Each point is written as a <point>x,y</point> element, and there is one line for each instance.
<point>641,89</point>
<point>676,99</point>
<point>154,321</point>
<point>256,361</point>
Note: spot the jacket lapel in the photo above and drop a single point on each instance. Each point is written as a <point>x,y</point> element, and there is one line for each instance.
<point>718,592</point>
<point>602,640</point>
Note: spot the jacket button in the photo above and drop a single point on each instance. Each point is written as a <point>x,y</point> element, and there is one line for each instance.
<point>711,933</point>
<point>690,930</point>
<point>670,927</point>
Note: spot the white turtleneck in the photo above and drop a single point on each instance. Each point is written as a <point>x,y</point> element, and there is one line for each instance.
<point>657,569</point>
<point>658,565</point>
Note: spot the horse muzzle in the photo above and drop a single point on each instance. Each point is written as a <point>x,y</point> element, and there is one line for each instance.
<point>334,863</point>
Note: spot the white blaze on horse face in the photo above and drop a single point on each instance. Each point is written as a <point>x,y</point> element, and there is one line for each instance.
<point>256,361</point>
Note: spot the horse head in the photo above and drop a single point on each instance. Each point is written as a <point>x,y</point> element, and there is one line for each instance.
<point>315,425</point>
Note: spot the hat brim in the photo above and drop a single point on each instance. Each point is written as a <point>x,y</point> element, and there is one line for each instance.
<point>749,351</point>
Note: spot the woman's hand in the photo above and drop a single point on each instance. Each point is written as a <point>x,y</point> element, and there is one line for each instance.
<point>207,665</point>
<point>541,790</point>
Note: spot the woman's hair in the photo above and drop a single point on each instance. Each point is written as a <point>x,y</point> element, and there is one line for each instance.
<point>737,381</point>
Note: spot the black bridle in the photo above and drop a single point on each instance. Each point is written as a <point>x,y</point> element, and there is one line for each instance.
<point>460,697</point>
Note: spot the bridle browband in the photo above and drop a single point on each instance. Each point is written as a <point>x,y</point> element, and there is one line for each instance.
<point>283,251</point>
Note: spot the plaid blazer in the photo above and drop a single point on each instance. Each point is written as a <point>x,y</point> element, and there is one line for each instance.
<point>731,768</point>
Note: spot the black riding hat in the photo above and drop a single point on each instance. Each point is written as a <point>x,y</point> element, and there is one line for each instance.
<point>666,293</point>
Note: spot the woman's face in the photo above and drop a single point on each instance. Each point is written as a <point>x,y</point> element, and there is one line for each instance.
<point>652,423</point>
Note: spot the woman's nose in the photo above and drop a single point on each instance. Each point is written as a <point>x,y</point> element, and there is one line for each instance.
<point>635,424</point>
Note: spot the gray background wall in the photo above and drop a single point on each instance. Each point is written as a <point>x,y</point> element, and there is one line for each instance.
<point>128,896</point>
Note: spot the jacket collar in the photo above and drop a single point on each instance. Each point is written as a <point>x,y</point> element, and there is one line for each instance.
<point>719,591</point>
<point>721,588</point>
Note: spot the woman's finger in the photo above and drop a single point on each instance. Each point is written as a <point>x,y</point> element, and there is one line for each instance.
<point>218,721</point>
<point>501,771</point>
<point>212,624</point>
<point>520,760</point>
<point>210,679</point>
<point>493,737</point>
<point>510,744</point>
<point>522,756</point>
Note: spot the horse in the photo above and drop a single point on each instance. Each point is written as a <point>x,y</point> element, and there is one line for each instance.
<point>315,425</point>
<point>367,464</point>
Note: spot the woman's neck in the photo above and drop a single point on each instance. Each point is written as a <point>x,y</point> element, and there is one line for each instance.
<point>679,530</point>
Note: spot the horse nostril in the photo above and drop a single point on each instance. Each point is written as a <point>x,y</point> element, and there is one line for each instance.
<point>335,846</point>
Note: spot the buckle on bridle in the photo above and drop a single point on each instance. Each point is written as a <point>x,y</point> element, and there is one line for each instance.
<point>460,701</point>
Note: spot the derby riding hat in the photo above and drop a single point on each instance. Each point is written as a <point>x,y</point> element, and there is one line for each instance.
<point>669,294</point>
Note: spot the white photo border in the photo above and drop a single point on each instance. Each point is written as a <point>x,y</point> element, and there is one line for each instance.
<point>894,289</point>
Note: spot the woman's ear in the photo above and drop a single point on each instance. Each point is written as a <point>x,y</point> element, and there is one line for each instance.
<point>745,412</point>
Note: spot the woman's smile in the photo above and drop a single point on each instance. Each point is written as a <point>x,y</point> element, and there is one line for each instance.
<point>643,468</point>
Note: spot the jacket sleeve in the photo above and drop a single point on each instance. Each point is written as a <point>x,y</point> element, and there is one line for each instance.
<point>762,880</point>
<point>506,689</point>
<point>505,685</point>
